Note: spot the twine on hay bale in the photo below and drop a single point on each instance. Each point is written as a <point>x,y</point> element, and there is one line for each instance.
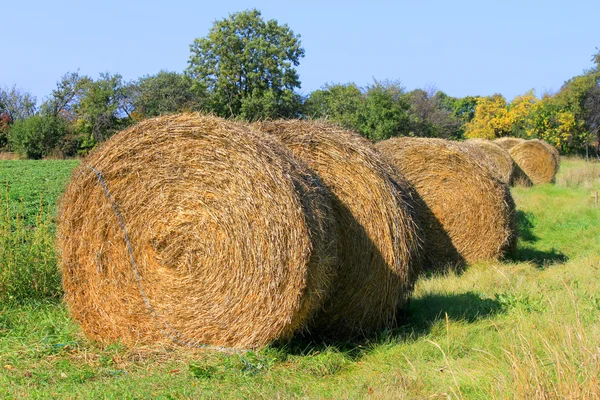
<point>231,236</point>
<point>467,215</point>
<point>494,157</point>
<point>537,160</point>
<point>377,236</point>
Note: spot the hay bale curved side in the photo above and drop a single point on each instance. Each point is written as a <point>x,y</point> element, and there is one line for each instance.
<point>536,160</point>
<point>554,151</point>
<point>378,239</point>
<point>508,142</point>
<point>494,157</point>
<point>467,215</point>
<point>232,237</point>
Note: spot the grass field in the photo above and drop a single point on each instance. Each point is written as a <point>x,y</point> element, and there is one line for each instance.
<point>524,328</point>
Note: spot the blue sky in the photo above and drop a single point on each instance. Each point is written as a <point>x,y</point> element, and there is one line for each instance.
<point>460,47</point>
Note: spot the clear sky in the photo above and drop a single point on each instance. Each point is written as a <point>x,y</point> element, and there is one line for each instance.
<point>461,47</point>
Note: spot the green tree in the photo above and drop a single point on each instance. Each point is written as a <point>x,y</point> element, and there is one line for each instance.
<point>246,65</point>
<point>430,115</point>
<point>102,109</point>
<point>377,112</point>
<point>36,136</point>
<point>385,113</point>
<point>17,103</point>
<point>164,93</point>
<point>66,96</point>
<point>340,103</point>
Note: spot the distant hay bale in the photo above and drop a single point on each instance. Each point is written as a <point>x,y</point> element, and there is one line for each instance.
<point>508,142</point>
<point>537,160</point>
<point>554,151</point>
<point>378,239</point>
<point>231,235</point>
<point>494,157</point>
<point>467,215</point>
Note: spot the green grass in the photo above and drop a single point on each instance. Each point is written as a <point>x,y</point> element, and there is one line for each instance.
<point>523,328</point>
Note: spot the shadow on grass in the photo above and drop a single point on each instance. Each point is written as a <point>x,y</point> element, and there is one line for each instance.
<point>414,321</point>
<point>540,258</point>
<point>525,225</point>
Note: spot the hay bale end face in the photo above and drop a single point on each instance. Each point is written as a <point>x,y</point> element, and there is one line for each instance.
<point>467,215</point>
<point>537,160</point>
<point>231,235</point>
<point>378,238</point>
<point>494,157</point>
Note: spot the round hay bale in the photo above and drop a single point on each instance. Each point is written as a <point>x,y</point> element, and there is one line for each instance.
<point>508,142</point>
<point>377,236</point>
<point>536,160</point>
<point>231,236</point>
<point>554,151</point>
<point>494,157</point>
<point>467,215</point>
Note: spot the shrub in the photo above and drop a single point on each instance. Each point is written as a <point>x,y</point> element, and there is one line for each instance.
<point>35,137</point>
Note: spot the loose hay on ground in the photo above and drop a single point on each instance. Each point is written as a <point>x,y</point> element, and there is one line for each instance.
<point>467,215</point>
<point>232,236</point>
<point>537,160</point>
<point>378,239</point>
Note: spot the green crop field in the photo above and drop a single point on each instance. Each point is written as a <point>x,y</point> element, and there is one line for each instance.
<point>527,327</point>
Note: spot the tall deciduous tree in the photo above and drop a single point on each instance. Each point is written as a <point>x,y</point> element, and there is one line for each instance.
<point>247,65</point>
<point>102,109</point>
<point>17,103</point>
<point>65,97</point>
<point>431,115</point>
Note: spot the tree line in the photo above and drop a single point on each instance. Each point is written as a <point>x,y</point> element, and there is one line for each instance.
<point>245,68</point>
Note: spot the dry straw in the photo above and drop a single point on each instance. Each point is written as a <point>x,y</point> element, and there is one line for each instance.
<point>466,213</point>
<point>378,239</point>
<point>508,142</point>
<point>537,160</point>
<point>494,157</point>
<point>231,235</point>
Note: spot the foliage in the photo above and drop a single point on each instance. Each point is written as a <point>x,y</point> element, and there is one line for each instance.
<point>377,112</point>
<point>340,103</point>
<point>552,123</point>
<point>102,109</point>
<point>36,136</point>
<point>66,96</point>
<point>491,119</point>
<point>163,93</point>
<point>431,115</point>
<point>17,103</point>
<point>246,65</point>
<point>519,112</point>
<point>5,123</point>
<point>384,113</point>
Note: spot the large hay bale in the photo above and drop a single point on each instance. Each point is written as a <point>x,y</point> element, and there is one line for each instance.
<point>232,237</point>
<point>494,157</point>
<point>378,239</point>
<point>508,142</point>
<point>537,161</point>
<point>467,215</point>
